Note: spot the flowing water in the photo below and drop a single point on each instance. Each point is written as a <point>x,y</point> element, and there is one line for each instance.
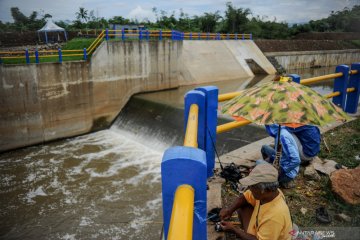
<point>106,185</point>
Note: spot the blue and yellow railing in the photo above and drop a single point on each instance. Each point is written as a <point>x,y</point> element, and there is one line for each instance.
<point>59,55</point>
<point>185,169</point>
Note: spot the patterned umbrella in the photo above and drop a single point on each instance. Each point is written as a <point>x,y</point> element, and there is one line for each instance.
<point>285,103</point>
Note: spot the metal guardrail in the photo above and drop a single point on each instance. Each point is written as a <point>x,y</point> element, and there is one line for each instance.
<point>123,34</point>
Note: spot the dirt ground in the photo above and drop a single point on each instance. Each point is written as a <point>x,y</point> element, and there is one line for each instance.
<point>303,45</point>
<point>308,195</point>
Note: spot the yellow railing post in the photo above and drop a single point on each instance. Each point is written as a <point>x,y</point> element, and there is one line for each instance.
<point>182,217</point>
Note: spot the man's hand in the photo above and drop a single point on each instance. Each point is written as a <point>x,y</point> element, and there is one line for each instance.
<point>227,226</point>
<point>225,213</point>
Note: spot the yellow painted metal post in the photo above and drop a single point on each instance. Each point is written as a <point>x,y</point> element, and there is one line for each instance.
<point>192,127</point>
<point>182,217</point>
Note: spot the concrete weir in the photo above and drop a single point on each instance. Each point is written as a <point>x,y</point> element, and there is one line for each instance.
<point>48,101</point>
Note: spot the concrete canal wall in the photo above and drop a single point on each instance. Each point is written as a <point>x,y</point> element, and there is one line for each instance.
<point>42,102</point>
<point>310,59</point>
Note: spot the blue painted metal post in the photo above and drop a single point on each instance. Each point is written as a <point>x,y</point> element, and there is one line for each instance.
<point>250,36</point>
<point>295,78</point>
<point>340,85</point>
<point>236,36</point>
<point>140,35</point>
<point>207,36</point>
<point>172,35</point>
<point>243,36</point>
<point>114,28</point>
<point>85,54</point>
<point>160,35</point>
<point>227,36</point>
<point>352,98</point>
<point>217,36</point>
<point>190,36</point>
<point>211,106</point>
<point>147,35</point>
<point>107,34</point>
<point>199,36</point>
<point>60,55</point>
<point>185,165</point>
<point>27,57</point>
<point>123,34</point>
<point>198,98</point>
<point>37,56</point>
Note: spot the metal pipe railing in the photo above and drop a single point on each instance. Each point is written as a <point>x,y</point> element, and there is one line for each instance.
<point>182,216</point>
<point>192,127</point>
<point>231,125</point>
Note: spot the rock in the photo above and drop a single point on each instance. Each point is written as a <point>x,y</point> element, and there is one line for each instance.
<point>324,166</point>
<point>346,184</point>
<point>303,210</point>
<point>343,217</point>
<point>310,173</point>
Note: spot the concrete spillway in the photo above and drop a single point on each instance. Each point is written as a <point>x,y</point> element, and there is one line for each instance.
<point>206,61</point>
<point>44,102</point>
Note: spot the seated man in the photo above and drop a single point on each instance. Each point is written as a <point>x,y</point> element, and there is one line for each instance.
<point>308,140</point>
<point>262,210</point>
<point>290,159</point>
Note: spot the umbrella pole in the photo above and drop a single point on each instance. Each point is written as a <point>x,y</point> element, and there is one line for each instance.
<point>278,149</point>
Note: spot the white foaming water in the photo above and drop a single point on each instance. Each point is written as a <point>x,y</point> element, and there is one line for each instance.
<point>106,183</point>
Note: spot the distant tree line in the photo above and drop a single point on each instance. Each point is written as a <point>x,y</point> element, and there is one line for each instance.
<point>234,20</point>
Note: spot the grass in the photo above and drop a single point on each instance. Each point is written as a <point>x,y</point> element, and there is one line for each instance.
<point>342,146</point>
<point>74,44</point>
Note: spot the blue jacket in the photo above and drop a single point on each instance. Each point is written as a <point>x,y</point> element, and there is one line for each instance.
<point>290,159</point>
<point>309,137</point>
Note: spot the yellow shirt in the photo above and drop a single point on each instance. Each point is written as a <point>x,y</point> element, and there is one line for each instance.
<point>273,218</point>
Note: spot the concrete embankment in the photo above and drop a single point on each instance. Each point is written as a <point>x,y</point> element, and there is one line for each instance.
<point>49,101</point>
<point>310,59</point>
<point>43,102</point>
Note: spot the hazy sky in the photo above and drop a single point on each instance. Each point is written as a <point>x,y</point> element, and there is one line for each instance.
<point>291,11</point>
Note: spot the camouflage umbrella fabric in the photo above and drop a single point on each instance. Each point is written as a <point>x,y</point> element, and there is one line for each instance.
<point>283,102</point>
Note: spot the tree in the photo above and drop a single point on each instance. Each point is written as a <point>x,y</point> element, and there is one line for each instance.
<point>235,18</point>
<point>82,15</point>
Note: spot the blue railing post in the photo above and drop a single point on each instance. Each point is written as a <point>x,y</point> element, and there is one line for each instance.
<point>27,57</point>
<point>207,36</point>
<point>140,35</point>
<point>107,34</point>
<point>236,36</point>
<point>160,35</point>
<point>123,34</point>
<point>85,54</point>
<point>199,36</point>
<point>227,36</point>
<point>60,55</point>
<point>37,55</point>
<point>243,36</point>
<point>352,98</point>
<point>185,165</point>
<point>211,106</point>
<point>147,35</point>
<point>114,28</point>
<point>190,36</point>
<point>295,78</point>
<point>251,36</point>
<point>340,85</point>
<point>217,36</point>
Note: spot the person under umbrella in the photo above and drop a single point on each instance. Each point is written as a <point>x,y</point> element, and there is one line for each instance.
<point>283,102</point>
<point>308,139</point>
<point>290,159</point>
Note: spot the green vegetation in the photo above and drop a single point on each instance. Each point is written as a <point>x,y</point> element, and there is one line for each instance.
<point>78,43</point>
<point>233,20</point>
<point>342,146</point>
